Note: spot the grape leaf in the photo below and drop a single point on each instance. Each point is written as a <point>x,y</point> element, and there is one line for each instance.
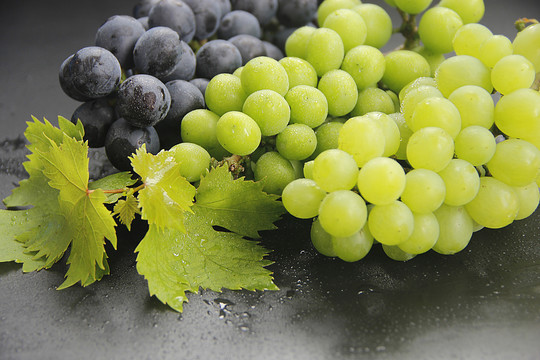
<point>126,209</point>
<point>115,181</point>
<point>175,262</point>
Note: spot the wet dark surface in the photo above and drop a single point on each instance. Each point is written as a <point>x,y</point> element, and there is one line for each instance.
<point>483,303</point>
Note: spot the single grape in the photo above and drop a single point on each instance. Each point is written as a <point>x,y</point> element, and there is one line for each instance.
<point>526,44</point>
<point>199,127</point>
<point>334,170</point>
<point>475,144</point>
<point>308,169</point>
<point>329,6</point>
<point>437,28</point>
<point>216,57</point>
<point>238,133</point>
<point>308,105</point>
<point>470,11</point>
<point>461,181</point>
<point>373,99</point>
<point>366,64</point>
<point>296,44</point>
<point>175,15</point>
<point>250,47</point>
<point>424,191</point>
<point>404,134</point>
<point>238,22</point>
<point>529,197</point>
<point>461,70</point>
<point>272,51</point>
<point>439,112</point>
<point>455,229</point>
<point>201,84</point>
<point>516,162</point>
<point>424,235</point>
<point>475,106</point>
<point>494,49</point>
<point>269,110</point>
<point>193,160</point>
<point>381,180</point>
<point>325,50</point>
<point>378,24</point>
<point>294,13</point>
<point>327,137</point>
<point>340,91</point>
<point>264,10</point>
<point>296,142</point>
<point>469,38</point>
<point>354,247</point>
<point>511,73</point>
<point>274,171</point>
<point>516,114</point>
<point>299,72</point>
<point>342,213</point>
<point>302,198</point>
<point>413,6</point>
<point>430,148</point>
<point>402,67</point>
<point>362,137</point>
<point>225,93</point>
<point>321,240</point>
<point>96,117</point>
<point>350,26</point>
<point>391,224</point>
<point>264,73</point>
<point>396,254</point>
<point>413,97</point>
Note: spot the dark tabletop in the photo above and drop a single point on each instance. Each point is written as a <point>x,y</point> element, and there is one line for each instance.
<point>483,303</point>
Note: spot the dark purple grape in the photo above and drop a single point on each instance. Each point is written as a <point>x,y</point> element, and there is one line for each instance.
<point>296,13</point>
<point>225,6</point>
<point>264,10</point>
<point>207,17</point>
<point>65,78</point>
<point>96,117</point>
<point>217,57</point>
<point>123,140</point>
<point>143,8</point>
<point>239,22</point>
<point>143,100</point>
<point>249,46</point>
<point>144,22</point>
<point>176,15</point>
<point>119,35</point>
<point>200,83</point>
<point>272,50</point>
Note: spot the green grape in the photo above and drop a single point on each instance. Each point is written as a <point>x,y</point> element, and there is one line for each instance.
<point>416,83</point>
<point>199,127</point>
<point>238,133</point>
<point>355,247</point>
<point>299,72</point>
<point>308,105</point>
<point>412,6</point>
<point>470,11</point>
<point>363,138</point>
<point>390,2</point>
<point>438,112</point>
<point>329,6</point>
<point>390,130</point>
<point>381,181</point>
<point>402,67</point>
<point>395,100</point>
<point>437,29</point>
<point>263,73</point>
<point>350,26</point>
<point>404,133</point>
<point>296,142</point>
<point>396,254</point>
<point>430,148</point>
<point>528,197</point>
<point>475,144</point>
<point>298,168</point>
<point>308,169</point>
<point>475,106</point>
<point>511,73</point>
<point>526,44</point>
<point>274,171</point>
<point>325,50</point>
<point>378,24</point>
<point>340,91</point>
<point>424,191</point>
<point>494,49</point>
<point>455,229</point>
<point>334,170</point>
<point>433,58</point>
<point>469,38</point>
<point>516,114</point>
<point>391,224</point>
<point>342,213</point>
<point>461,70</point>
<point>321,240</point>
<point>193,160</point>
<point>424,235</point>
<point>296,43</point>
<point>224,93</point>
<point>302,198</point>
<point>413,97</point>
<point>365,64</point>
<point>327,137</point>
<point>461,181</point>
<point>495,206</point>
<point>238,72</point>
<point>269,110</point>
<point>373,99</point>
<point>516,162</point>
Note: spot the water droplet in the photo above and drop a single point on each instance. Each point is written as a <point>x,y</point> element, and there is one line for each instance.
<point>243,327</point>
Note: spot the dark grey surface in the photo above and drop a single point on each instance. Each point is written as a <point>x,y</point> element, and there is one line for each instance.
<point>483,303</point>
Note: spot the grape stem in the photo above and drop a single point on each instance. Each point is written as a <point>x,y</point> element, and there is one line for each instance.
<point>522,23</point>
<point>409,30</point>
<point>117,191</point>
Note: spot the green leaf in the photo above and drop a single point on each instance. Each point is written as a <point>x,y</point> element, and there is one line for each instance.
<point>115,181</point>
<point>166,195</point>
<point>126,209</point>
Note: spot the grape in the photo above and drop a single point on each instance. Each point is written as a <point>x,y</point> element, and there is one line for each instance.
<point>455,229</point>
<point>118,35</point>
<point>391,224</point>
<point>308,169</point>
<point>516,162</point>
<point>437,29</point>
<point>390,131</point>
<point>494,49</point>
<point>225,6</point>
<point>321,240</point>
<point>123,140</point>
<point>495,206</point>
<point>363,138</point>
<point>207,17</point>
<point>264,10</point>
<point>475,106</point>
<point>461,70</point>
<point>325,50</point>
<point>438,112</point>
<point>526,44</point>
<point>308,105</point>
<point>378,24</point>
<point>185,97</point>
<point>381,181</point>
<point>350,26</point>
<point>413,6</point>
<point>516,114</point>
<point>413,97</point>
<point>142,8</point>
<point>402,67</point>
<point>475,144</point>
<point>329,6</point>
<point>144,22</point>
<point>396,254</point>
<point>469,38</point>
<point>416,83</point>
<point>143,100</point>
<point>365,64</point>
<point>424,191</point>
<point>249,46</point>
<point>225,93</point>
<point>404,133</point>
<point>433,58</point>
<point>299,72</point>
<point>528,197</point>
<point>424,235</point>
<point>176,15</point>
<point>269,110</point>
<point>334,170</point>
<point>511,73</point>
<point>193,160</point>
<point>461,181</point>
<point>296,44</point>
<point>355,247</point>
<point>66,83</point>
<point>216,57</point>
<point>199,127</point>
<point>302,198</point>
<point>272,51</point>
<point>201,84</point>
<point>327,137</point>
<point>274,171</point>
<point>294,13</point>
<point>373,99</point>
<point>342,213</point>
<point>340,91</point>
<point>430,148</point>
<point>96,117</point>
<point>470,11</point>
<point>264,73</point>
<point>296,142</point>
<point>238,133</point>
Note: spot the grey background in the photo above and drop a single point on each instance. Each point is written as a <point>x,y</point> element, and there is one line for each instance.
<point>481,303</point>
